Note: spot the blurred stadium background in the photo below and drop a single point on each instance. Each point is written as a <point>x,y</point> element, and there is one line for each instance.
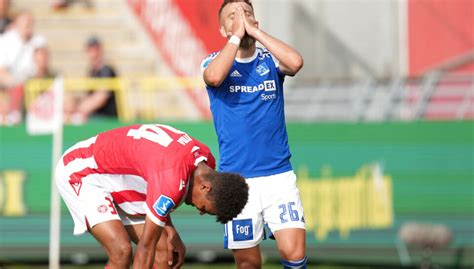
<point>379,121</point>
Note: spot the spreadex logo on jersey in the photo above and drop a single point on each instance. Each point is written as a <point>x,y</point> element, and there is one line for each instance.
<point>267,85</point>
<point>163,205</point>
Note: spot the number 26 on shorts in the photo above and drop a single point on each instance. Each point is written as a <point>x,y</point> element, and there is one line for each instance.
<point>287,209</point>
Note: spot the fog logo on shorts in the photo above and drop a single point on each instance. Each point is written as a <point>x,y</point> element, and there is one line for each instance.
<point>242,229</point>
<point>163,205</point>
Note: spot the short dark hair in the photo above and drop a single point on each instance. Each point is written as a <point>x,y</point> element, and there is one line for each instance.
<point>93,41</point>
<point>229,194</point>
<point>226,2</point>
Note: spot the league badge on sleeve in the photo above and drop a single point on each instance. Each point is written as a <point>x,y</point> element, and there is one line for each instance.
<point>163,205</point>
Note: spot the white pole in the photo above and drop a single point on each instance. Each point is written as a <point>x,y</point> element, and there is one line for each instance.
<point>55,217</point>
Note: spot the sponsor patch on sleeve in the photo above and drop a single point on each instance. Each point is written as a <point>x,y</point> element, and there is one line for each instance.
<point>208,60</point>
<point>206,63</point>
<point>163,205</point>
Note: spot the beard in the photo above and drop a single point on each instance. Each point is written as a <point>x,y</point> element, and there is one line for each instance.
<point>247,42</point>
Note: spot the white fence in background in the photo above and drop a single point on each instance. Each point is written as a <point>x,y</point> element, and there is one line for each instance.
<point>433,97</point>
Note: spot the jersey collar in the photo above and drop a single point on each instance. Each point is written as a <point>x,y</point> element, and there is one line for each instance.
<point>247,60</point>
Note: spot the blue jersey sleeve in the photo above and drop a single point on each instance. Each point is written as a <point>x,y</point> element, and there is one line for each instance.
<point>274,61</point>
<point>205,63</point>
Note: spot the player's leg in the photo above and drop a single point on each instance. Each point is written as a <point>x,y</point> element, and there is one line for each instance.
<point>105,224</point>
<point>95,212</point>
<point>248,258</point>
<point>114,239</point>
<point>284,215</point>
<point>161,252</point>
<point>291,244</point>
<point>92,209</point>
<point>244,233</point>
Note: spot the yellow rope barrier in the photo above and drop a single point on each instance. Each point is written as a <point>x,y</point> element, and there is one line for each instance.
<point>121,86</point>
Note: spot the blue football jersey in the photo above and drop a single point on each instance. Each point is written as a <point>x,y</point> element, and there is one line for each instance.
<point>249,118</point>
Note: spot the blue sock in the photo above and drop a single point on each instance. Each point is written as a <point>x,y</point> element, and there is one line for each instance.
<point>301,264</point>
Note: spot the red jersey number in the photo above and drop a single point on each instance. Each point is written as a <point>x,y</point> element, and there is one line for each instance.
<point>154,133</point>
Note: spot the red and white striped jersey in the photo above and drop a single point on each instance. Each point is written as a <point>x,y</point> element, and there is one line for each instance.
<point>148,167</point>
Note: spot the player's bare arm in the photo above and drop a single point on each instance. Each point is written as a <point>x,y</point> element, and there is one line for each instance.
<point>218,69</point>
<point>290,60</point>
<point>175,246</point>
<point>145,253</point>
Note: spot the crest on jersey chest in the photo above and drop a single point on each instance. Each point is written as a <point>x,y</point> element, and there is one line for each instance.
<point>262,69</point>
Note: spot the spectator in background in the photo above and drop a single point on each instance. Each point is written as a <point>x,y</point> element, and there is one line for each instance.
<point>95,103</point>
<point>63,4</point>
<point>41,61</point>
<point>17,46</point>
<point>5,19</point>
<point>40,109</point>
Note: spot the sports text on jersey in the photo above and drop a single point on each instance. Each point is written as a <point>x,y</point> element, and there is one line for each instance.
<point>267,85</point>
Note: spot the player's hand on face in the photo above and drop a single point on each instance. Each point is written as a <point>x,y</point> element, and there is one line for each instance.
<point>251,25</point>
<point>238,27</point>
<point>176,249</point>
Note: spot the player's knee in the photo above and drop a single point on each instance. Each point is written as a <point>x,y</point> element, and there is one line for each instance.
<point>293,255</point>
<point>295,264</point>
<point>121,253</point>
<point>292,252</point>
<point>248,262</point>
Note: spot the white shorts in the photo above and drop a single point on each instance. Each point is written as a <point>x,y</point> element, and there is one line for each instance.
<point>89,202</point>
<point>274,201</point>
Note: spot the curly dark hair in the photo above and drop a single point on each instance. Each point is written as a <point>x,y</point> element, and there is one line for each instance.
<point>229,194</point>
<point>226,2</point>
